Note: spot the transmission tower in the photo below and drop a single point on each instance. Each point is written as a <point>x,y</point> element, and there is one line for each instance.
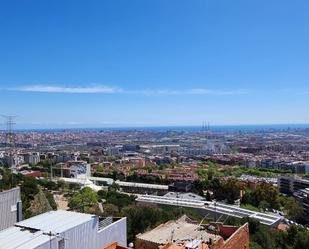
<point>10,138</point>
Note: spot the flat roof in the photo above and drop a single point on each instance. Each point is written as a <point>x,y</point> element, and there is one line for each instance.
<point>142,185</point>
<point>180,230</point>
<point>20,238</point>
<point>56,221</point>
<point>267,219</point>
<point>189,196</point>
<point>33,232</point>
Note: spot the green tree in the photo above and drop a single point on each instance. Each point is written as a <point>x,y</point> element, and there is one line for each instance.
<point>293,208</point>
<point>114,187</point>
<point>302,240</point>
<point>264,239</point>
<point>61,184</point>
<point>254,245</point>
<point>119,199</point>
<point>110,210</point>
<point>254,224</point>
<point>51,200</point>
<point>83,200</point>
<point>102,194</point>
<point>48,184</point>
<point>264,205</point>
<point>229,190</point>
<point>74,186</point>
<point>269,193</point>
<point>29,189</point>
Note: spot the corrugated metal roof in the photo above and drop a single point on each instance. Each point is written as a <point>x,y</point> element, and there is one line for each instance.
<point>56,221</point>
<point>33,232</point>
<point>17,238</point>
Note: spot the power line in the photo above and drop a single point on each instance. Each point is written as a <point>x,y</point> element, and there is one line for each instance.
<point>10,139</point>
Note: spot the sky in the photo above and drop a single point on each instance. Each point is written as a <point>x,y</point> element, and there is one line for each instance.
<point>154,63</point>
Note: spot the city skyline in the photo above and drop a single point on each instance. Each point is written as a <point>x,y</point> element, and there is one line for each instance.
<point>154,63</point>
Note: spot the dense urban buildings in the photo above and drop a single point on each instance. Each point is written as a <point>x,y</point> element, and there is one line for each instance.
<point>228,180</point>
<point>154,124</point>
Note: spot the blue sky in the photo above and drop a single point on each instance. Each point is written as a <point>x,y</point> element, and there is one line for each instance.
<point>155,62</point>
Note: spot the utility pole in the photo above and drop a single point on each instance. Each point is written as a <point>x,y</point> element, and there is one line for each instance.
<point>10,139</point>
<point>50,239</point>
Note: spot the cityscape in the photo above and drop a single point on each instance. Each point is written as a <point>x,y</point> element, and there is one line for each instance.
<point>222,179</point>
<point>154,124</point>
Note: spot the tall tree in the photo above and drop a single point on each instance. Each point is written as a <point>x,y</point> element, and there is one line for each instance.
<point>83,200</point>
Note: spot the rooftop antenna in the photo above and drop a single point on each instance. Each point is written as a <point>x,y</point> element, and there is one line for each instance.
<point>10,138</point>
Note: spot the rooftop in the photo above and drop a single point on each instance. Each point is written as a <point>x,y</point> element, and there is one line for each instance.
<point>56,221</point>
<point>34,231</point>
<point>142,185</point>
<point>20,238</point>
<point>215,207</point>
<point>179,231</point>
<point>188,196</point>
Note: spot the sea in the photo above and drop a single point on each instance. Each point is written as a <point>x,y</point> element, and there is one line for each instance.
<point>218,128</point>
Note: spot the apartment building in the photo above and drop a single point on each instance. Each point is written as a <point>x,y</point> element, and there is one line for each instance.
<point>289,184</point>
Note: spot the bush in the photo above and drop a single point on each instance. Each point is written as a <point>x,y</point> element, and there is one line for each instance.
<point>49,196</point>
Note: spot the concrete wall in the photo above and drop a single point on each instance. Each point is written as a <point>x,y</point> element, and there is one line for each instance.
<point>116,232</point>
<point>144,244</point>
<point>87,236</point>
<point>239,240</point>
<point>79,237</point>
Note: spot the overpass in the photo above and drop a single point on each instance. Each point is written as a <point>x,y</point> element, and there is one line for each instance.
<point>212,208</point>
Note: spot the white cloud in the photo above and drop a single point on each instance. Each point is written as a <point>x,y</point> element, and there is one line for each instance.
<point>217,92</point>
<point>111,90</point>
<point>61,89</point>
<point>193,91</point>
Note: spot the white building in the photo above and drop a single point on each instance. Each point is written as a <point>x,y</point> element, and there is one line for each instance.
<point>32,158</point>
<point>64,230</point>
<point>79,168</point>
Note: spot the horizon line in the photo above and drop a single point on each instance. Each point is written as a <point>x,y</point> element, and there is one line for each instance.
<point>267,125</point>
